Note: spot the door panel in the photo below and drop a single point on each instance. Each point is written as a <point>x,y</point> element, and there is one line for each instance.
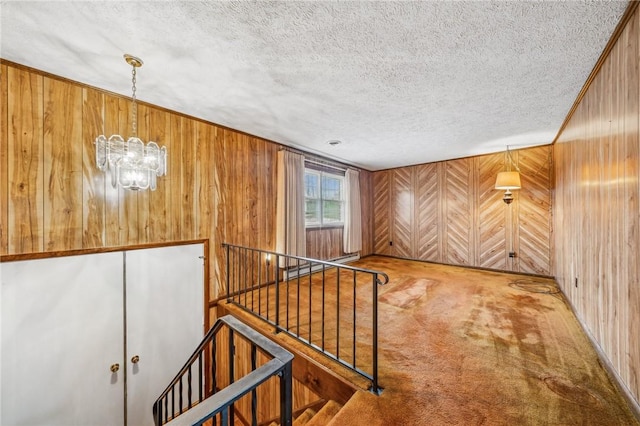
<point>165,299</point>
<point>52,311</point>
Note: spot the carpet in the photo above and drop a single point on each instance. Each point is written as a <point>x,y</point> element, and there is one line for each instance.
<point>469,347</point>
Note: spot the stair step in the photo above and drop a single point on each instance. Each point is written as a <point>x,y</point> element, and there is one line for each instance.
<point>304,418</point>
<point>326,414</point>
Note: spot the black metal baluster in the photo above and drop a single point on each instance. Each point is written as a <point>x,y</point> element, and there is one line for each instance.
<point>228,272</point>
<point>157,411</point>
<point>354,319</point>
<point>254,394</point>
<point>180,405</point>
<point>189,387</point>
<point>267,261</point>
<point>244,277</point>
<point>252,283</point>
<point>173,401</point>
<point>309,303</point>
<point>236,284</point>
<point>338,313</point>
<point>260,284</point>
<point>323,303</point>
<point>233,272</point>
<point>287,301</point>
<point>232,359</point>
<point>286,385</point>
<point>225,414</point>
<point>277,278</point>
<point>374,385</point>
<point>214,385</point>
<point>200,378</point>
<point>298,301</point>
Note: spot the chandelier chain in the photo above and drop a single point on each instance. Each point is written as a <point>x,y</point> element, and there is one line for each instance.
<point>134,104</point>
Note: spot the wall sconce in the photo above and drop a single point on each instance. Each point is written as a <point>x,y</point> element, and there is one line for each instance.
<point>508,180</point>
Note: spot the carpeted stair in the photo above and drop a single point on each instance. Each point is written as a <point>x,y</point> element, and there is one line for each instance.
<point>325,415</point>
<point>310,417</point>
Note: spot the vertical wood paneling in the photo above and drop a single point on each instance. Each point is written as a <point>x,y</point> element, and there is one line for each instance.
<point>631,211</point>
<point>597,210</point>
<point>62,165</point>
<point>128,200</point>
<point>189,182</point>
<point>251,191</point>
<point>143,213</point>
<point>174,174</point>
<point>220,177</point>
<point>220,183</point>
<point>160,200</point>
<point>324,243</point>
<point>93,180</point>
<point>112,195</point>
<point>4,160</point>
<point>203,191</point>
<point>26,162</point>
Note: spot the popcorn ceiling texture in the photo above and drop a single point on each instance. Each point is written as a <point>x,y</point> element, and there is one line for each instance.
<point>399,83</point>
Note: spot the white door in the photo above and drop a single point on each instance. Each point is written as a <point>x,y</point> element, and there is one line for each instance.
<point>61,331</point>
<point>165,321</point>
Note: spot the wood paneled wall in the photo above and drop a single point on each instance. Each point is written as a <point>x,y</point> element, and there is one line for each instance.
<point>597,208</point>
<point>220,185</point>
<point>53,197</point>
<point>449,212</point>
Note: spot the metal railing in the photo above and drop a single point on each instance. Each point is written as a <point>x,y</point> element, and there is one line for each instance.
<point>328,306</point>
<point>199,376</point>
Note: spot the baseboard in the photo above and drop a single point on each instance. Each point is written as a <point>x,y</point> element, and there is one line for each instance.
<point>606,363</point>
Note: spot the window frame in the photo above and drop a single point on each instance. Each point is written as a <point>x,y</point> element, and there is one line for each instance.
<point>321,172</point>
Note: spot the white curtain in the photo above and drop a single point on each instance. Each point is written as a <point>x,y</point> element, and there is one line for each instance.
<point>352,237</point>
<point>290,221</point>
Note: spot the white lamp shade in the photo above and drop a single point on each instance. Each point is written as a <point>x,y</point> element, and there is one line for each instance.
<point>508,180</point>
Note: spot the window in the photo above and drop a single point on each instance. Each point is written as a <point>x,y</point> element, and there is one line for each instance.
<point>324,198</point>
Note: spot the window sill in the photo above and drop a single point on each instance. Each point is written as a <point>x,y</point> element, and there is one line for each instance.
<point>321,227</point>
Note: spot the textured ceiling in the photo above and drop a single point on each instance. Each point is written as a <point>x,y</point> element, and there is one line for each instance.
<point>397,82</point>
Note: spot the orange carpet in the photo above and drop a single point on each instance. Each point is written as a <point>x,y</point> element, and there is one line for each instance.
<point>467,347</point>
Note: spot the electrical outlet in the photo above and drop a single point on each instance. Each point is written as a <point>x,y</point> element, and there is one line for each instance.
<point>512,254</point>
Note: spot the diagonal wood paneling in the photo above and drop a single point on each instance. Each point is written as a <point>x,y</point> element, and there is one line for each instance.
<point>427,212</point>
<point>366,200</point>
<point>450,212</point>
<point>493,215</point>
<point>534,208</point>
<point>402,210</point>
<point>457,207</point>
<point>381,205</point>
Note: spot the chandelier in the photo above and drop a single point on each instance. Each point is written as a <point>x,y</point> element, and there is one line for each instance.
<point>131,164</point>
